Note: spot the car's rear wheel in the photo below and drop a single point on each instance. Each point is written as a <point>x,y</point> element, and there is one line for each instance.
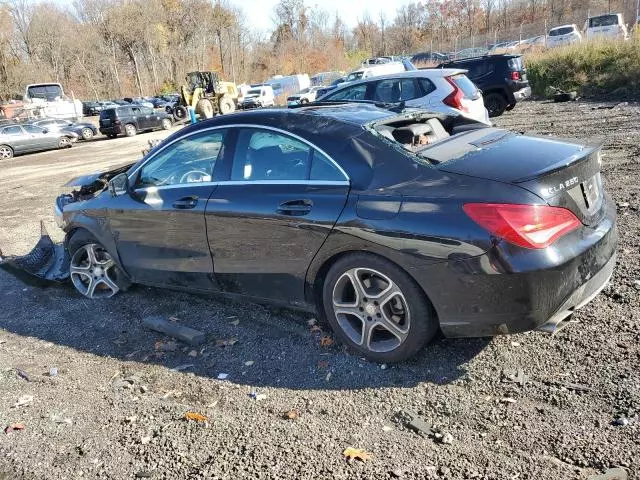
<point>64,142</point>
<point>93,271</point>
<point>87,134</point>
<point>166,124</point>
<point>6,152</point>
<point>130,130</point>
<point>495,104</point>
<point>374,307</point>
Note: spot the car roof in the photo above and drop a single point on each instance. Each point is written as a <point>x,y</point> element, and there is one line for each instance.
<point>484,58</point>
<point>572,25</point>
<point>423,73</point>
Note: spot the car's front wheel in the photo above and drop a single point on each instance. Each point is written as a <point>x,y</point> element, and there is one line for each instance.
<point>93,271</point>
<point>64,142</point>
<point>377,309</point>
<point>166,124</point>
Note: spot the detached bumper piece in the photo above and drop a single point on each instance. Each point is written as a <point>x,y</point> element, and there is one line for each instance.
<point>46,262</point>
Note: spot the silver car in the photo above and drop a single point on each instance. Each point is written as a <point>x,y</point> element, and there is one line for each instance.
<point>24,138</point>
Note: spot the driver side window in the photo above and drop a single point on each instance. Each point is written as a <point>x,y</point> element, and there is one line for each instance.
<point>189,160</point>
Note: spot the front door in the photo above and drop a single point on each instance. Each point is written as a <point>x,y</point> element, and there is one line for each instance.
<point>160,231</point>
<point>267,223</point>
<point>38,139</point>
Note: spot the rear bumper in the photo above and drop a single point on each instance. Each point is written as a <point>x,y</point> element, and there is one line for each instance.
<point>510,290</point>
<point>112,130</point>
<point>521,94</point>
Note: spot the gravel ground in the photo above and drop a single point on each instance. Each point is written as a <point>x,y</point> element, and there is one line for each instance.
<point>528,406</point>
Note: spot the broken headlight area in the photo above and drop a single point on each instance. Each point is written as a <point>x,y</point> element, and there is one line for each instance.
<point>47,261</point>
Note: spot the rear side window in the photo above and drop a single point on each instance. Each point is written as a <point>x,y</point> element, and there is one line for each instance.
<point>466,85</point>
<point>427,86</point>
<point>32,129</point>
<point>323,169</point>
<point>395,90</point>
<point>603,21</point>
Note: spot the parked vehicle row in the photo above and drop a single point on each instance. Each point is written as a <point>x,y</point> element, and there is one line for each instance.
<point>26,138</point>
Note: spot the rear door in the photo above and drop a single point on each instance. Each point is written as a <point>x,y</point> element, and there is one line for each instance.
<point>267,222</point>
<point>16,138</point>
<point>39,140</point>
<point>408,90</point>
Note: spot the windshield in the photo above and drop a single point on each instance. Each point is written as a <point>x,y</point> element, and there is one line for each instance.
<point>46,92</point>
<point>304,90</point>
<point>561,31</point>
<point>467,86</point>
<point>254,91</point>
<point>354,76</point>
<point>603,21</point>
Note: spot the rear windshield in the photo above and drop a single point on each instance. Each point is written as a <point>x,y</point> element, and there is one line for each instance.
<point>108,113</point>
<point>560,31</point>
<point>603,21</point>
<point>46,92</point>
<point>354,76</point>
<point>467,86</point>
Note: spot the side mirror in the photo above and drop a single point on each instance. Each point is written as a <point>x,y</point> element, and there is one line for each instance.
<point>119,184</point>
<point>45,130</point>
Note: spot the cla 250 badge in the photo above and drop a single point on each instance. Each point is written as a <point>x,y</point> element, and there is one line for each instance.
<point>551,191</point>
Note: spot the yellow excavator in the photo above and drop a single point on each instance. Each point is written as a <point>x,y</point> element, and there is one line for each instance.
<point>207,95</point>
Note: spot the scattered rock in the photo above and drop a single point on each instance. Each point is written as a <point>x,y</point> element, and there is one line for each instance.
<point>23,401</point>
<point>182,333</point>
<point>223,376</point>
<point>621,421</point>
<point>397,473</point>
<point>248,363</point>
<point>144,389</point>
<point>145,440</point>
<point>53,372</point>
<point>24,375</point>
<point>508,400</point>
<point>131,419</point>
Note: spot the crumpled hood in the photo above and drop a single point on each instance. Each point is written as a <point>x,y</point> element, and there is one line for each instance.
<point>98,179</point>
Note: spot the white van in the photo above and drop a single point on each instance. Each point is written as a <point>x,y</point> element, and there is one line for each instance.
<point>375,71</point>
<point>258,96</point>
<point>49,99</point>
<point>610,25</point>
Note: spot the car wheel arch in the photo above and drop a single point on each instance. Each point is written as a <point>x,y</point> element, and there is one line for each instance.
<point>317,273</point>
<point>93,229</point>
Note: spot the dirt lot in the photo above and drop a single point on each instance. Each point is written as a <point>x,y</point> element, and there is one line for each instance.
<point>528,406</point>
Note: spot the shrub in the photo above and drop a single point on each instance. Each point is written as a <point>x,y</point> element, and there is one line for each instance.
<point>591,68</point>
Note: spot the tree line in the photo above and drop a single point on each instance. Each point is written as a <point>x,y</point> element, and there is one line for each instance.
<point>113,48</point>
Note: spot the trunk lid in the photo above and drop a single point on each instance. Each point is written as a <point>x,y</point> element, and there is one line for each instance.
<point>563,173</point>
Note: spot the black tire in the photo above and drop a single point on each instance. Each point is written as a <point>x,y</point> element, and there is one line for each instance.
<point>82,237</point>
<point>495,104</point>
<point>226,105</point>
<point>565,97</point>
<point>510,107</point>
<point>65,142</point>
<point>422,324</point>
<point>204,108</point>
<point>130,130</point>
<point>304,101</point>
<point>179,112</point>
<point>6,152</point>
<point>112,135</point>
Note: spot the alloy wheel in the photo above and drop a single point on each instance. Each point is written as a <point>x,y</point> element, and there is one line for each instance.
<point>93,272</point>
<point>130,130</point>
<point>87,134</point>
<point>64,142</point>
<point>371,309</point>
<point>6,152</point>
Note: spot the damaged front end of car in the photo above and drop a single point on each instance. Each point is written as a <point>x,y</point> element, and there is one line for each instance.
<point>49,261</point>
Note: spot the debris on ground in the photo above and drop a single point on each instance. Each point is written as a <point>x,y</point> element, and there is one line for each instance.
<point>291,414</point>
<point>23,401</point>
<point>412,421</point>
<point>196,417</point>
<point>53,372</point>
<point>227,342</point>
<point>621,421</point>
<point>223,376</point>
<point>193,353</point>
<point>22,374</point>
<point>508,400</point>
<point>326,341</point>
<point>248,363</point>
<point>180,332</point>
<point>444,438</point>
<point>166,346</point>
<point>257,396</point>
<point>518,377</point>
<point>180,368</point>
<point>351,454</point>
<point>612,474</point>
<point>14,427</point>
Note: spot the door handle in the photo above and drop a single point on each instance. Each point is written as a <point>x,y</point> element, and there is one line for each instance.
<point>185,203</point>
<point>295,208</point>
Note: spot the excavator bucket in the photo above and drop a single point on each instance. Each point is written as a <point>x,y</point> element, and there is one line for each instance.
<point>46,262</point>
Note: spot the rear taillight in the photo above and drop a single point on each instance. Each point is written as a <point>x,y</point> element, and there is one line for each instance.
<point>454,99</point>
<point>529,226</point>
<point>516,76</point>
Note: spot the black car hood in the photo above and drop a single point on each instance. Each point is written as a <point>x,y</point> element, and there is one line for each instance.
<point>97,181</point>
<point>504,156</point>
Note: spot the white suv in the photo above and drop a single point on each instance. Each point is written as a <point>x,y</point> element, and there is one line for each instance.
<point>563,35</point>
<point>305,95</point>
<point>445,90</point>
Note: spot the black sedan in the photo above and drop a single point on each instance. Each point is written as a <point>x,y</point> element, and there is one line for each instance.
<point>84,130</point>
<point>393,226</point>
